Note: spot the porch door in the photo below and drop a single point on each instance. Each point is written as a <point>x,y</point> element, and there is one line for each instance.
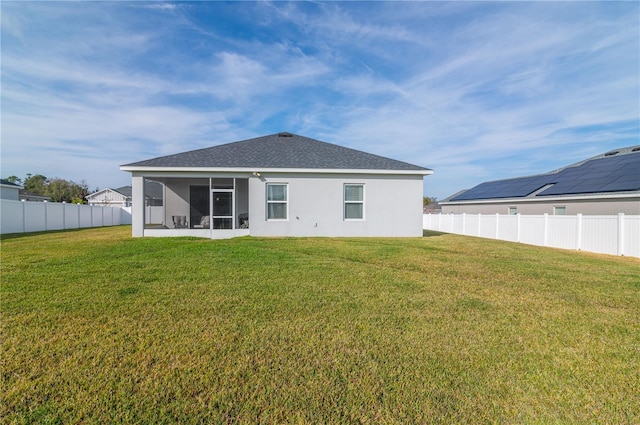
<point>222,208</point>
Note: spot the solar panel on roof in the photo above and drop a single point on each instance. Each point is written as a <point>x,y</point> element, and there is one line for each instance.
<point>620,172</point>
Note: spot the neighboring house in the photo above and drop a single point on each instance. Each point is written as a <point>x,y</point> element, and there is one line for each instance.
<point>433,208</point>
<point>281,185</point>
<point>9,190</point>
<point>605,184</point>
<point>121,197</point>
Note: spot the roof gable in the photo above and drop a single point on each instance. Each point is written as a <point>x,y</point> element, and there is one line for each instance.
<point>279,151</point>
<point>615,171</point>
<point>105,191</point>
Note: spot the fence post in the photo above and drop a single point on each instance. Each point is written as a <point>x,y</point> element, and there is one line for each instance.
<point>518,227</point>
<point>479,224</point>
<point>46,219</point>
<point>497,225</point>
<point>545,239</point>
<point>24,216</point>
<point>579,231</point>
<point>620,233</point>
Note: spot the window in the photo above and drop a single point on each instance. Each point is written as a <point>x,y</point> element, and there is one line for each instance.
<point>513,210</point>
<point>277,201</point>
<point>560,210</point>
<point>353,201</point>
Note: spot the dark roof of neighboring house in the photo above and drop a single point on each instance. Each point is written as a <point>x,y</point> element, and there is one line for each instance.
<point>151,190</point>
<point>124,190</point>
<point>280,150</point>
<point>611,172</point>
<point>8,183</point>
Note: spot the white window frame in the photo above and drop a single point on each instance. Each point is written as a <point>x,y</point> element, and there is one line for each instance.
<point>268,202</point>
<point>345,202</point>
<point>558,208</point>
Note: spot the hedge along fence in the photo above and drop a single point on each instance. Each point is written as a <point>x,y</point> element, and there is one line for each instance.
<point>604,234</point>
<point>22,217</point>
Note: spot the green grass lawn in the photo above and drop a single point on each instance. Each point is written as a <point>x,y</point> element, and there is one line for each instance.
<point>98,327</point>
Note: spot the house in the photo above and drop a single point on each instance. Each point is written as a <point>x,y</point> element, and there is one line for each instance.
<point>9,190</point>
<point>603,185</point>
<point>121,197</point>
<point>281,185</point>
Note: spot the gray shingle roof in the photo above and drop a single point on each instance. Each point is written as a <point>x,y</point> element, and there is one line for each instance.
<point>280,150</point>
<point>612,172</point>
<point>8,183</point>
<point>152,190</point>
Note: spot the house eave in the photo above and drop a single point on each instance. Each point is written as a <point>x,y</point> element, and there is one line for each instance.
<point>136,169</point>
<point>578,197</point>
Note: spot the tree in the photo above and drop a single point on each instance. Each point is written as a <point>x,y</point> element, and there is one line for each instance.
<point>426,200</point>
<point>60,190</point>
<point>36,184</point>
<point>14,180</point>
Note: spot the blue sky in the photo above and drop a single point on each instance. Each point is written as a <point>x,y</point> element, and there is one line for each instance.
<point>476,91</point>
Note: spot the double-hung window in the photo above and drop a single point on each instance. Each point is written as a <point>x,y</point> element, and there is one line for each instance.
<point>353,201</point>
<point>277,201</point>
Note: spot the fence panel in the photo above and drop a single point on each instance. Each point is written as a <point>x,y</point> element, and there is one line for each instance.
<point>600,234</point>
<point>154,215</point>
<point>35,217</point>
<point>86,215</point>
<point>507,227</point>
<point>458,223</point>
<point>612,234</point>
<point>488,226</point>
<point>472,224</point>
<point>532,229</point>
<point>631,243</point>
<point>11,220</point>
<point>71,216</point>
<point>562,231</point>
<point>107,217</point>
<point>55,215</point>
<point>96,216</point>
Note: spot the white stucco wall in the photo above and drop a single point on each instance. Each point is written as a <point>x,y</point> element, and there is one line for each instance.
<point>392,206</point>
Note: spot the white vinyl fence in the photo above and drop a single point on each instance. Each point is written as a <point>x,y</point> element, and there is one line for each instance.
<point>605,234</point>
<point>21,217</point>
